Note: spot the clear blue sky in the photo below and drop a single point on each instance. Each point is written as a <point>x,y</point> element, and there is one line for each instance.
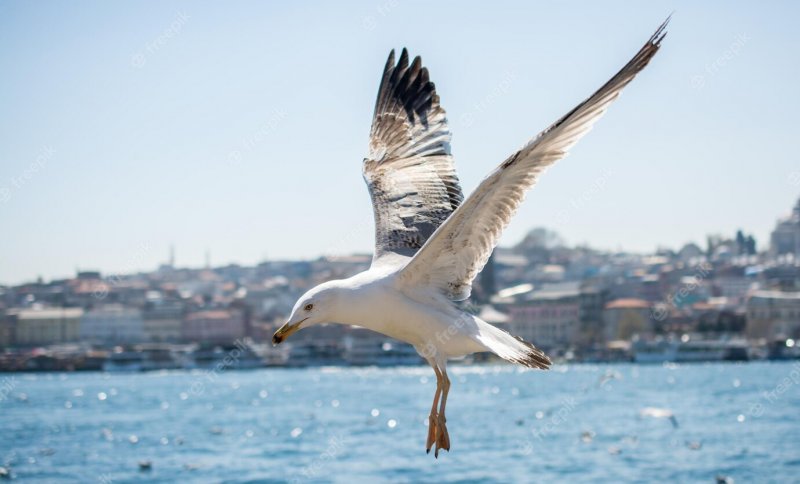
<point>118,122</point>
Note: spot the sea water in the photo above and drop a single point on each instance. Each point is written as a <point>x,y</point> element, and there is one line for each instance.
<point>574,423</point>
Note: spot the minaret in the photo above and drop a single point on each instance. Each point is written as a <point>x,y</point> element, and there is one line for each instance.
<point>172,256</point>
<point>208,259</point>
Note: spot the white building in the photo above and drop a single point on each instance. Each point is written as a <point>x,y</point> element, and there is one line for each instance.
<point>162,322</point>
<point>112,324</point>
<point>785,238</point>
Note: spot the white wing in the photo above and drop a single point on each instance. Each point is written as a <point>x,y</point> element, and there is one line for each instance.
<point>459,249</point>
<point>409,171</point>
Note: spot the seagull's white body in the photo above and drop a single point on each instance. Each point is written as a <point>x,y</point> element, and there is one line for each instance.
<point>430,242</point>
<point>376,300</point>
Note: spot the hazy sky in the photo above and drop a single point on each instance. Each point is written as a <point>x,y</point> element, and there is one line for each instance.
<point>239,127</point>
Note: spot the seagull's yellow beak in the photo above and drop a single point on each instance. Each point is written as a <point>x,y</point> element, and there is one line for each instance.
<point>285,331</point>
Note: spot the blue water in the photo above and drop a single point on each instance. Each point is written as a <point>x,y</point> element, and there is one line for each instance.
<point>578,423</point>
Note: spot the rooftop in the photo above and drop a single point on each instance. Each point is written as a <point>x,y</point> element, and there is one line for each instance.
<point>47,313</point>
<point>210,314</point>
<point>628,303</point>
<point>771,294</point>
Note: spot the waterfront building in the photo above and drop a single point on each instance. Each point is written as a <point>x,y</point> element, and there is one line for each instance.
<point>112,324</point>
<point>549,317</point>
<point>213,326</point>
<point>162,322</point>
<point>42,326</point>
<point>773,314</point>
<point>623,318</point>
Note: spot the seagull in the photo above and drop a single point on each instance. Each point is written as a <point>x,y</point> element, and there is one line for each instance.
<point>656,412</point>
<point>430,242</point>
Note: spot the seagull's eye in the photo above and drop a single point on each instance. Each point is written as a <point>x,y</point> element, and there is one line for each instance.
<point>309,307</point>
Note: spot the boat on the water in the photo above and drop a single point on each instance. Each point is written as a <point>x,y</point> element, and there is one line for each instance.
<point>689,350</point>
<point>231,356</point>
<point>147,357</point>
<point>380,352</point>
<point>124,360</point>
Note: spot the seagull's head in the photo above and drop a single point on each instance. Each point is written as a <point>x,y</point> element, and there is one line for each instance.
<point>314,307</point>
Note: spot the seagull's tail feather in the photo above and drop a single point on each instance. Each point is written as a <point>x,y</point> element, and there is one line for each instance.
<point>511,348</point>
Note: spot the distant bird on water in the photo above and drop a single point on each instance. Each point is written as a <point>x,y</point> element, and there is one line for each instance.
<point>430,242</point>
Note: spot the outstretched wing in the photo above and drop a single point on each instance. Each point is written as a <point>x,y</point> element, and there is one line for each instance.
<point>409,170</point>
<point>459,249</point>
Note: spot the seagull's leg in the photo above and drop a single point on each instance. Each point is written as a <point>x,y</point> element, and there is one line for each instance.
<point>443,438</point>
<point>432,417</point>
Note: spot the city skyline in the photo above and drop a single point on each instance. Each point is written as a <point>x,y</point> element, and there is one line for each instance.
<point>125,132</point>
<point>171,260</point>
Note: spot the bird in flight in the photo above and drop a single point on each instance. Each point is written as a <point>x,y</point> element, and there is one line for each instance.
<point>430,242</point>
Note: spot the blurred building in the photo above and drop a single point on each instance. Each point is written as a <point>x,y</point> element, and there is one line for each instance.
<point>213,326</point>
<point>785,277</point>
<point>719,316</point>
<point>112,323</point>
<point>773,314</point>
<point>272,297</point>
<point>785,237</point>
<point>624,318</point>
<point>494,317</point>
<point>162,322</point>
<point>548,317</point>
<point>593,298</point>
<point>733,283</point>
<point>690,253</point>
<point>41,326</point>
<point>5,332</point>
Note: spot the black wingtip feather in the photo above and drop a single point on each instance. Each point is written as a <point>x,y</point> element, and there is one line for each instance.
<point>389,65</point>
<point>661,32</point>
<point>403,62</point>
<point>534,357</point>
<point>407,86</point>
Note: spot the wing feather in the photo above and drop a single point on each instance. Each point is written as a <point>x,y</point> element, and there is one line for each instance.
<point>459,249</point>
<point>409,171</point>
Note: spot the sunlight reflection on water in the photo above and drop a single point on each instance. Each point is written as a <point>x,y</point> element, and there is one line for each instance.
<point>577,422</point>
